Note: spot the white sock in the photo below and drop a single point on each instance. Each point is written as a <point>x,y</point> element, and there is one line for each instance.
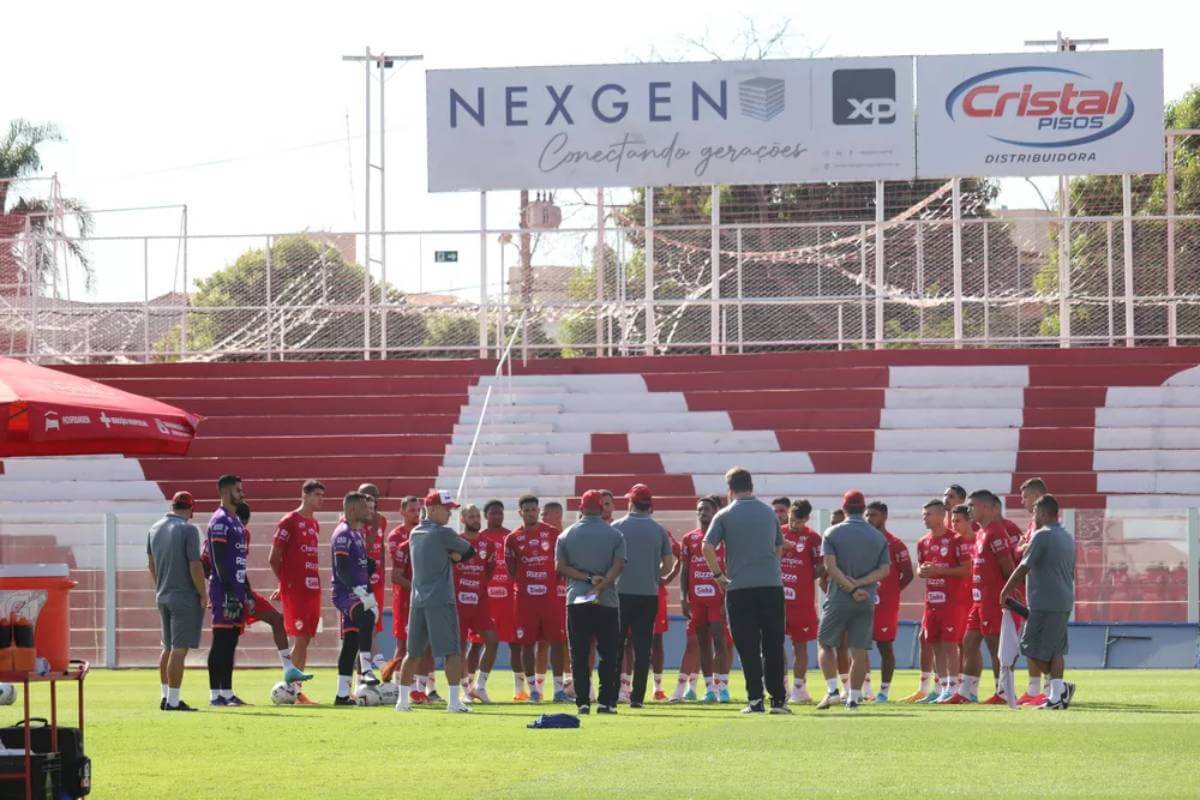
<point>454,694</point>
<point>364,662</point>
<point>1035,686</point>
<point>172,697</point>
<point>866,687</point>
<point>227,693</point>
<point>845,679</point>
<point>883,687</point>
<point>625,681</point>
<point>481,681</point>
<point>558,683</point>
<point>1057,688</point>
<point>285,658</point>
<point>658,681</point>
<point>694,680</point>
<point>538,682</point>
<point>856,695</point>
<point>925,676</point>
<point>723,679</point>
<point>430,683</point>
<point>165,689</point>
<point>832,685</point>
<point>518,682</point>
<point>964,686</point>
<point>681,686</point>
<point>343,689</point>
<point>798,682</point>
<point>213,694</point>
<point>405,700</point>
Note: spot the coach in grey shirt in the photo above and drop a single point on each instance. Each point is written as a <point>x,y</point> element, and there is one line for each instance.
<point>173,559</point>
<point>754,588</point>
<point>856,559</point>
<point>1048,570</point>
<point>433,615</point>
<point>648,558</point>
<point>591,555</point>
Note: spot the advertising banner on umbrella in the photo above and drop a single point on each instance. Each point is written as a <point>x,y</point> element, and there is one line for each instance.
<point>771,121</point>
<point>1094,113</point>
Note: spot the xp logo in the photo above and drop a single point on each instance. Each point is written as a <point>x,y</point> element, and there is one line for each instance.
<point>864,96</point>
<point>1035,106</point>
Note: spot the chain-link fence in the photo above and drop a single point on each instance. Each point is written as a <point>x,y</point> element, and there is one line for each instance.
<point>1109,260</point>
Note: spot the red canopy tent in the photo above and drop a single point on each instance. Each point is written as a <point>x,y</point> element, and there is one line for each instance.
<point>47,412</point>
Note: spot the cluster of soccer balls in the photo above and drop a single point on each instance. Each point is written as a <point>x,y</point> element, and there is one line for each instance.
<point>8,694</point>
<point>283,694</point>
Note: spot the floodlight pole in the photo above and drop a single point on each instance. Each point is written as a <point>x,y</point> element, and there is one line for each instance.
<point>383,61</point>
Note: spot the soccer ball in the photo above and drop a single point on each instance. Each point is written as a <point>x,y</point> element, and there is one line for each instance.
<point>282,694</point>
<point>368,696</point>
<point>8,694</point>
<point>389,693</point>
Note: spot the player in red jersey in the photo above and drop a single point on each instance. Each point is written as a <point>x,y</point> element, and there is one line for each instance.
<point>802,566</point>
<point>964,530</point>
<point>529,557</point>
<point>991,564</point>
<point>501,595</point>
<point>400,559</point>
<point>552,515</point>
<point>294,561</point>
<point>471,577</point>
<point>943,566</point>
<point>375,533</point>
<point>887,601</point>
<point>702,600</point>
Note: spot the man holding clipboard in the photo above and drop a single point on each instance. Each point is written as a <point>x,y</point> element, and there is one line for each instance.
<point>590,555</point>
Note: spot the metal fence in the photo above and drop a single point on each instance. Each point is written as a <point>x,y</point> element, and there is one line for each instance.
<point>1113,260</point>
<point>1132,567</point>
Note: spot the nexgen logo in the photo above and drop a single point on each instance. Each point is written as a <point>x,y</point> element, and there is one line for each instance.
<point>1032,106</point>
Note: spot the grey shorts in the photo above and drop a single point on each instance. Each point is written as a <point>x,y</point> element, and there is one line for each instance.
<point>435,627</point>
<point>856,620</point>
<point>181,623</point>
<point>1045,635</point>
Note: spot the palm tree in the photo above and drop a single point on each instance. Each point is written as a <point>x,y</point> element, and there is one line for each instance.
<point>19,158</point>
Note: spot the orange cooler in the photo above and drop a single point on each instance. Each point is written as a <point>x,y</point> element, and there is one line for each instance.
<point>52,628</point>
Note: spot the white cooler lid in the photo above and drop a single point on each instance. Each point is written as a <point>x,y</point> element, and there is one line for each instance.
<point>34,571</point>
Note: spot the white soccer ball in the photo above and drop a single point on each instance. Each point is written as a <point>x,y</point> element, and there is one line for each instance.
<point>8,694</point>
<point>389,693</point>
<point>368,696</point>
<point>282,694</point>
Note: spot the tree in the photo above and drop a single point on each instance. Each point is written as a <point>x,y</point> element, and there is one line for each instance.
<point>20,158</point>
<point>315,302</point>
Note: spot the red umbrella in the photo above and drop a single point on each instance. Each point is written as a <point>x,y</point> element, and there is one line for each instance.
<point>47,412</point>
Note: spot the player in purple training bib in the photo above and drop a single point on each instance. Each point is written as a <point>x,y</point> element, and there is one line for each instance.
<point>228,591</point>
<point>352,595</point>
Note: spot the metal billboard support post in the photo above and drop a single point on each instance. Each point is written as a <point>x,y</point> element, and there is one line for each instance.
<point>651,332</point>
<point>878,264</point>
<point>1172,310</point>
<point>1193,566</point>
<point>1064,262</point>
<point>1127,248</point>
<point>110,591</point>
<point>956,233</point>
<point>714,314</point>
<point>599,273</point>
<point>483,322</point>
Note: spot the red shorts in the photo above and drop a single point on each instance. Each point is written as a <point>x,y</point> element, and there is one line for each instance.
<point>706,614</point>
<point>261,604</point>
<point>801,622</point>
<point>985,618</point>
<point>472,621</point>
<point>500,604</point>
<point>400,622</point>
<point>661,622</point>
<point>537,619</point>
<point>942,623</point>
<point>301,612</point>
<point>887,621</point>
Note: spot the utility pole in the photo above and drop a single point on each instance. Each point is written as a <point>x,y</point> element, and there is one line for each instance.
<point>382,61</point>
<point>1064,44</point>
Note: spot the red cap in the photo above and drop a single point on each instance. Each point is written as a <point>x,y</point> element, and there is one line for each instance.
<point>183,499</point>
<point>592,502</point>
<point>440,497</point>
<point>854,499</point>
<point>639,493</point>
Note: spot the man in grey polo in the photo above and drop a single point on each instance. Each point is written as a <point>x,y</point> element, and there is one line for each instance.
<point>648,558</point>
<point>1048,571</point>
<point>754,588</point>
<point>856,559</point>
<point>173,559</point>
<point>591,555</point>
<point>433,616</point>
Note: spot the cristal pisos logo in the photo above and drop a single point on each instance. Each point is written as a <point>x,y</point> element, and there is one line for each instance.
<point>1034,106</point>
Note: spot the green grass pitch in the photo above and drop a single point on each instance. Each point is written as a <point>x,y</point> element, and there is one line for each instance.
<point>1130,734</point>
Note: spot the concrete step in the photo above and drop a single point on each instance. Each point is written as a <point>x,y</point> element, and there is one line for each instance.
<point>951,417</point>
<point>1130,460</point>
<point>99,468</point>
<point>503,428</point>
<point>1142,437</point>
<point>715,441</point>
<point>561,463</point>
<point>578,402</point>
<point>940,397</point>
<point>489,444</point>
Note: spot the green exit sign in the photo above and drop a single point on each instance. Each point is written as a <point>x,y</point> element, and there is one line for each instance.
<point>445,256</point>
